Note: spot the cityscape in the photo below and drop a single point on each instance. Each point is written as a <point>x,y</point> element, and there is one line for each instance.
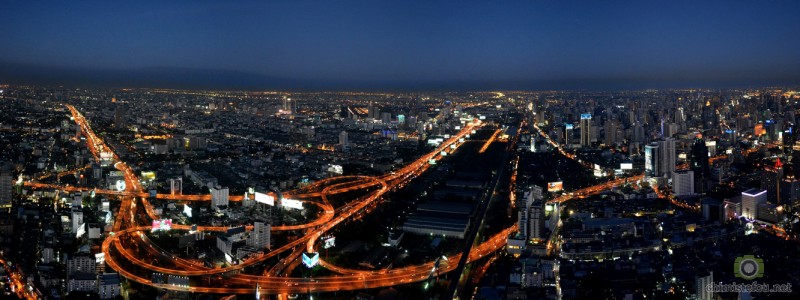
<point>147,172</point>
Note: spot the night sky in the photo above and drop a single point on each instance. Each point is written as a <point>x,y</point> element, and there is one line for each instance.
<point>401,44</point>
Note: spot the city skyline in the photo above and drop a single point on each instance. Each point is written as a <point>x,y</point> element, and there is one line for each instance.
<point>402,46</point>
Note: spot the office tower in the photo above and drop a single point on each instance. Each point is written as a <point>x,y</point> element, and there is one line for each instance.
<point>260,236</point>
<point>386,117</point>
<point>536,216</point>
<point>343,141</point>
<point>638,133</point>
<point>700,164</point>
<point>652,160</point>
<point>586,130</point>
<point>219,196</point>
<point>751,199</point>
<point>6,185</point>
<point>610,133</point>
<point>568,134</point>
<point>530,210</point>
<point>288,105</point>
<point>119,116</point>
<point>683,183</point>
<point>667,156</point>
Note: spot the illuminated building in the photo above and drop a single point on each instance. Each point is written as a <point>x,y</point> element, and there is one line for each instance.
<point>6,186</point>
<point>652,161</point>
<point>683,183</point>
<point>586,130</point>
<point>750,200</point>
<point>260,235</point>
<point>219,196</point>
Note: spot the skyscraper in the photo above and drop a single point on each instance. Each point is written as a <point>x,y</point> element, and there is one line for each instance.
<point>700,163</point>
<point>667,157</point>
<point>343,141</point>
<point>6,185</point>
<point>652,160</point>
<point>586,130</point>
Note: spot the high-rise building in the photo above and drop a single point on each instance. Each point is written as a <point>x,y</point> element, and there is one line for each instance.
<point>176,186</point>
<point>260,236</point>
<point>750,200</point>
<point>699,164</point>
<point>652,160</point>
<point>586,130</point>
<point>219,196</point>
<point>120,113</point>
<point>537,218</point>
<point>667,156</point>
<point>683,183</point>
<point>701,282</point>
<point>530,210</point>
<point>6,186</point>
<point>343,141</point>
<point>76,220</point>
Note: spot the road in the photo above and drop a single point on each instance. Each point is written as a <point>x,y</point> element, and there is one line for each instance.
<point>350,279</point>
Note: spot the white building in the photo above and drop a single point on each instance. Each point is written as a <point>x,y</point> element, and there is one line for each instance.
<point>82,282</point>
<point>76,220</point>
<point>81,264</point>
<point>683,183</point>
<point>48,256</point>
<point>531,214</point>
<point>701,281</point>
<point>219,196</point>
<point>667,156</point>
<point>225,244</point>
<point>750,200</point>
<point>260,236</point>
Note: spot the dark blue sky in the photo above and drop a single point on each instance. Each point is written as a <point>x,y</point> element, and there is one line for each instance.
<point>426,44</point>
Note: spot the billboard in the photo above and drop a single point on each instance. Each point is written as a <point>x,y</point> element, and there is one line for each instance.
<point>569,126</point>
<point>290,203</point>
<point>555,186</point>
<point>328,242</point>
<point>311,259</point>
<point>586,116</point>
<point>100,257</point>
<point>162,224</point>
<point>120,185</point>
<point>81,230</point>
<point>265,199</point>
<point>626,166</point>
<point>187,210</point>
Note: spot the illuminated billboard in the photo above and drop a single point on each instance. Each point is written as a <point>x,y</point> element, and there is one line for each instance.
<point>162,224</point>
<point>187,210</point>
<point>329,242</point>
<point>626,166</point>
<point>100,257</point>
<point>120,185</point>
<point>586,116</point>
<point>265,199</point>
<point>569,126</point>
<point>311,259</point>
<point>555,186</point>
<point>291,203</point>
<point>81,230</point>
